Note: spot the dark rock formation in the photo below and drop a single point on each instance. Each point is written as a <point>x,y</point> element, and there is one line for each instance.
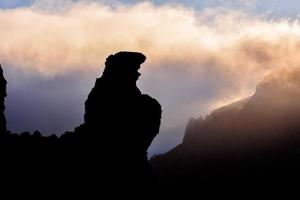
<point>107,152</point>
<point>123,119</point>
<point>116,106</point>
<point>2,106</point>
<point>255,138</point>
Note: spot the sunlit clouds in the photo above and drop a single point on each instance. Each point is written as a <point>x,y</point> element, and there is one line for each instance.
<point>82,35</point>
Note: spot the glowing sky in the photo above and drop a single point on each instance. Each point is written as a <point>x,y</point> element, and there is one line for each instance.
<point>200,55</point>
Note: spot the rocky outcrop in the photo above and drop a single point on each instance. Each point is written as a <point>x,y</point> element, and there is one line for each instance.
<point>120,122</point>
<point>2,106</point>
<point>117,112</point>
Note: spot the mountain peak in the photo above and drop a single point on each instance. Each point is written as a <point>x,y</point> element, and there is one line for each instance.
<point>256,137</point>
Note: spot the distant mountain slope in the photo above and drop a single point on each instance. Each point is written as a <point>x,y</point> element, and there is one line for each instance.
<point>258,133</point>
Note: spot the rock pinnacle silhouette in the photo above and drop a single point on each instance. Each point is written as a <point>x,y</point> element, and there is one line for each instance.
<point>123,119</point>
<point>116,105</point>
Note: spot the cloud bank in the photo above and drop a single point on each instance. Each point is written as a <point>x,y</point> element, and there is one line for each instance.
<point>197,60</point>
<point>80,36</point>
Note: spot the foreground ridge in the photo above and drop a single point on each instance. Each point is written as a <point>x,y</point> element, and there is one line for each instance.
<point>108,151</point>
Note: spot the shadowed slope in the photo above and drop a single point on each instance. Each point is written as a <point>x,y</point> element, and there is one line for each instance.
<point>255,138</point>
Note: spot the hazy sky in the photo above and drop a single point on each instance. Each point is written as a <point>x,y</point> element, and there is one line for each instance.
<point>200,55</point>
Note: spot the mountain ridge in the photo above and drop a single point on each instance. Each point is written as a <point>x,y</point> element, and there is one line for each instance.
<point>256,137</point>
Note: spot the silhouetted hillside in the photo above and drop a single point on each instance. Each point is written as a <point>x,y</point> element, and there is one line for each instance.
<point>107,152</point>
<point>255,138</point>
<point>2,105</point>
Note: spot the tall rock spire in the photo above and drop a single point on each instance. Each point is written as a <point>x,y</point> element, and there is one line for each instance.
<point>2,106</point>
